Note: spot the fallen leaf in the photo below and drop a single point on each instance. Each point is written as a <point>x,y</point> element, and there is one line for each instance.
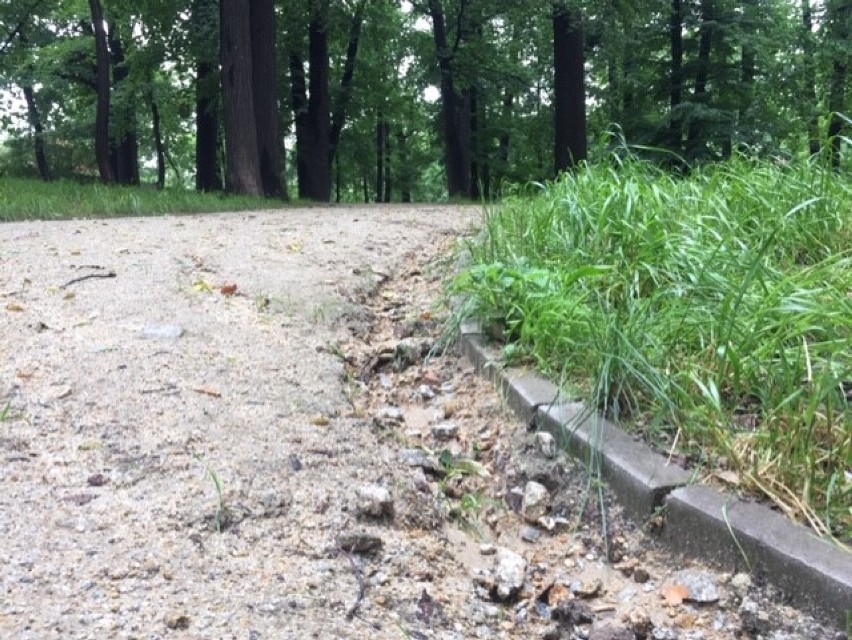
<point>14,306</point>
<point>24,375</point>
<point>295,247</point>
<point>69,296</point>
<point>75,252</point>
<point>203,286</point>
<point>228,289</point>
<point>63,393</point>
<point>320,420</point>
<point>208,391</point>
<point>90,445</point>
<point>674,593</point>
<point>389,295</point>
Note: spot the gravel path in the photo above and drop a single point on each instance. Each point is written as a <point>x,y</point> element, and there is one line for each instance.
<point>211,433</point>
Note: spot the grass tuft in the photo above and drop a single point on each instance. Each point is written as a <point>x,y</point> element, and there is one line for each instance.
<point>23,199</point>
<point>717,307</point>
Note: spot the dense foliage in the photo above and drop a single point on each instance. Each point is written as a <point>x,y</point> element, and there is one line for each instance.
<point>711,313</point>
<point>385,100</point>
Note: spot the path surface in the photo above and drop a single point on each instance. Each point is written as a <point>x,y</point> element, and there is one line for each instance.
<point>182,458</point>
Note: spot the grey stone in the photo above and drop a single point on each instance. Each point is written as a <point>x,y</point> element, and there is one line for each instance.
<point>390,415</point>
<point>445,430</point>
<point>375,501</point>
<point>530,534</point>
<point>162,331</point>
<point>664,633</point>
<point>702,586</point>
<point>509,572</point>
<point>741,583</point>
<point>535,501</point>
<point>426,392</point>
<point>546,444</point>
<point>610,631</point>
<point>420,458</point>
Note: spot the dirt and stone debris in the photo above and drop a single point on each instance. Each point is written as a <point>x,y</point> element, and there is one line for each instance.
<point>256,429</point>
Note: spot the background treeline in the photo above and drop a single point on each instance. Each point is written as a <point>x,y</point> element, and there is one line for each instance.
<point>379,100</point>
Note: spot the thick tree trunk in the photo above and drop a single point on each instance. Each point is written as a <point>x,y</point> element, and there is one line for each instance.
<point>102,108</point>
<point>242,158</point>
<point>265,84</point>
<point>319,102</point>
<point>345,93</point>
<point>299,104</point>
<point>458,171</point>
<point>809,89</point>
<point>699,95</point>
<point>38,134</point>
<point>124,151</point>
<point>207,172</point>
<point>569,96</point>
<point>205,27</point>
<point>676,76</point>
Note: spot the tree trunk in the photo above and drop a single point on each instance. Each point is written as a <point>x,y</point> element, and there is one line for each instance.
<point>319,102</point>
<point>840,13</point>
<point>205,26</point>
<point>38,134</point>
<point>702,74</point>
<point>404,168</point>
<point>264,75</point>
<point>124,150</point>
<point>458,171</point>
<point>345,93</point>
<point>380,157</point>
<point>158,141</point>
<point>387,154</point>
<point>676,76</point>
<point>505,139</point>
<point>299,104</point>
<point>569,96</point>
<point>242,158</point>
<point>474,153</point>
<point>102,109</point>
<point>809,90</point>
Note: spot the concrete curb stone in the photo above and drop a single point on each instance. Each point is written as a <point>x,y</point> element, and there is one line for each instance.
<point>700,521</point>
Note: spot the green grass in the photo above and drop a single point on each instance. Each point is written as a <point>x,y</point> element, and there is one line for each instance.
<point>714,311</point>
<point>22,199</point>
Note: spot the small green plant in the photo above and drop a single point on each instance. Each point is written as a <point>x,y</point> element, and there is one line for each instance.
<point>4,413</point>
<point>221,510</point>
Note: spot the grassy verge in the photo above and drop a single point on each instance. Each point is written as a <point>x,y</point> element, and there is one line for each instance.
<point>713,313</point>
<point>33,199</point>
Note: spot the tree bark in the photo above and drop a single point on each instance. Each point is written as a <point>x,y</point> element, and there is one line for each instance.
<point>702,74</point>
<point>474,144</point>
<point>458,171</point>
<point>241,154</point>
<point>158,141</point>
<point>38,134</point>
<point>380,157</point>
<point>124,145</point>
<point>102,107</point>
<point>840,16</point>
<point>299,104</point>
<point>265,85</point>
<point>345,94</point>
<point>205,26</point>
<point>319,119</point>
<point>809,89</point>
<point>569,96</point>
<point>676,76</point>
<point>386,151</point>
<point>404,169</point>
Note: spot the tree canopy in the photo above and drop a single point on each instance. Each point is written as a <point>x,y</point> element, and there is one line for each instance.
<point>381,100</point>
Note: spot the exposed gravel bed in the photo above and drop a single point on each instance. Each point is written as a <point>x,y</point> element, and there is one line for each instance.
<point>292,457</point>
